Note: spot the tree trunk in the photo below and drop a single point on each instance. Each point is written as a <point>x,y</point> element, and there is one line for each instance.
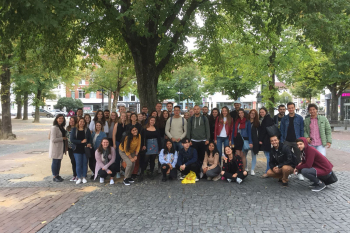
<point>19,106</point>
<point>25,106</point>
<point>109,100</point>
<point>334,103</point>
<point>6,126</point>
<point>272,83</point>
<point>115,100</point>
<point>37,106</point>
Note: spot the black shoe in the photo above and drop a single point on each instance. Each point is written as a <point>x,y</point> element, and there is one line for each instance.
<point>131,180</point>
<point>56,179</point>
<point>285,184</point>
<point>140,178</point>
<point>280,180</point>
<point>319,187</point>
<point>164,179</point>
<point>170,178</point>
<point>151,176</point>
<point>126,182</point>
<point>312,185</point>
<point>60,178</point>
<point>92,177</point>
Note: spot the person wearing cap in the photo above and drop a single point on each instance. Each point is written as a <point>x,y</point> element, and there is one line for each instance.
<point>234,114</point>
<point>187,159</point>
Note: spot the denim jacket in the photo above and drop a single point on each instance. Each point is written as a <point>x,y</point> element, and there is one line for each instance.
<point>246,132</point>
<point>98,139</point>
<point>298,126</point>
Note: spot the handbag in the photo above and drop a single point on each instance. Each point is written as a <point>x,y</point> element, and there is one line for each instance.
<point>246,146</point>
<point>273,131</point>
<point>331,179</point>
<point>89,152</point>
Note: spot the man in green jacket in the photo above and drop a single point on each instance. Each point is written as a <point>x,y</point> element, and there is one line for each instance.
<point>317,130</point>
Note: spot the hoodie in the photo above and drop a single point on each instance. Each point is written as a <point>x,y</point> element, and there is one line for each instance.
<point>313,158</point>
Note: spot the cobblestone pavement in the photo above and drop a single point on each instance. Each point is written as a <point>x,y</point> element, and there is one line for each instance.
<point>31,202</point>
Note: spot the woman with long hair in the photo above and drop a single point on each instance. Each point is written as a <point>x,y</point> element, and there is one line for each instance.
<point>161,126</point>
<point>242,134</point>
<point>113,119</point>
<point>212,119</point>
<point>168,159</point>
<point>96,136</point>
<point>150,145</point>
<point>73,121</point>
<point>129,148</point>
<point>80,137</point>
<point>105,158</point>
<point>133,122</point>
<point>223,129</point>
<point>211,167</point>
<point>233,169</point>
<point>99,116</point>
<point>264,139</point>
<point>118,132</point>
<point>58,146</point>
<point>140,119</point>
<point>87,118</point>
<point>255,125</point>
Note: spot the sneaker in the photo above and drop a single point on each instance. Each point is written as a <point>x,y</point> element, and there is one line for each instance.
<point>131,180</point>
<point>312,185</point>
<point>285,184</point>
<point>102,180</point>
<point>111,181</point>
<point>182,177</point>
<point>73,179</point>
<point>126,182</point>
<point>122,173</point>
<point>56,179</point>
<point>247,170</point>
<point>78,181</point>
<point>118,175</point>
<point>239,180</point>
<point>201,175</point>
<point>60,178</point>
<point>252,172</point>
<point>216,178</point>
<point>92,176</point>
<point>300,176</point>
<point>164,179</point>
<point>140,178</point>
<point>209,178</point>
<point>196,179</point>
<point>229,180</point>
<point>319,187</point>
<point>84,181</point>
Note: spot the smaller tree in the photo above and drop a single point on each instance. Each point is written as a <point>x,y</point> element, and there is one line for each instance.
<point>68,103</point>
<point>284,98</point>
<point>305,90</point>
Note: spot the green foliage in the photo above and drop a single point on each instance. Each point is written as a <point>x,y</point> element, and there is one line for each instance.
<point>284,98</point>
<point>166,90</point>
<point>69,103</point>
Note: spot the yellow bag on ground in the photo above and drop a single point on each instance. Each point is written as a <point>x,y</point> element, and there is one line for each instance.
<point>190,178</point>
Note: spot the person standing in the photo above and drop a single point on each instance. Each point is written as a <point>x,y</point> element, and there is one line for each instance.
<point>105,158</point>
<point>111,123</point>
<point>168,159</point>
<point>264,139</point>
<point>205,111</point>
<point>169,107</point>
<point>292,127</point>
<point>242,134</point>
<point>176,128</point>
<point>101,118</point>
<point>118,131</point>
<point>106,114</point>
<point>159,109</point>
<point>234,113</point>
<point>211,167</point>
<point>161,124</point>
<point>187,116</point>
<point>81,137</point>
<point>223,130</point>
<point>199,132</point>
<point>212,120</point>
<point>58,146</point>
<point>278,117</point>
<point>233,169</point>
<point>80,112</point>
<point>317,130</point>
<point>133,122</point>
<point>129,148</point>
<point>191,112</point>
<point>255,126</point>
<point>73,121</point>
<point>87,118</point>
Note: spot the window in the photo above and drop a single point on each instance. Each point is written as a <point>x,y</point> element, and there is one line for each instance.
<point>92,95</point>
<point>133,98</point>
<point>59,87</point>
<point>82,82</point>
<point>120,98</point>
<point>81,94</point>
<point>73,94</point>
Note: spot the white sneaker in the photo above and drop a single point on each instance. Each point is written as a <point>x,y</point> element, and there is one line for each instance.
<point>102,180</point>
<point>229,180</point>
<point>247,170</point>
<point>78,181</point>
<point>252,172</point>
<point>300,176</point>
<point>182,177</point>
<point>196,179</point>
<point>239,180</point>
<point>73,179</point>
<point>111,181</point>
<point>84,181</point>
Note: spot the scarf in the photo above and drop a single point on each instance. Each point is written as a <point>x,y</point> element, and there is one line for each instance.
<point>241,126</point>
<point>105,156</point>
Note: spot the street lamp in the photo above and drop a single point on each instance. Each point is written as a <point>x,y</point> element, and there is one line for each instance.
<point>179,93</point>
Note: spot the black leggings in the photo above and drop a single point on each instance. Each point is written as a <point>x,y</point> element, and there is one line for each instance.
<point>92,163</point>
<point>173,172</point>
<point>151,159</point>
<point>112,168</point>
<point>72,160</point>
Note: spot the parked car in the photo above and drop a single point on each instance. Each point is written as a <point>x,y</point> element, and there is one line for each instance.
<point>55,112</point>
<point>43,112</point>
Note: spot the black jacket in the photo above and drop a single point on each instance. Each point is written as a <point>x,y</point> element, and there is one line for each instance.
<point>255,139</point>
<point>263,136</point>
<point>283,156</point>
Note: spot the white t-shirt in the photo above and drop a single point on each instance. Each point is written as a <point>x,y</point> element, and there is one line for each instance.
<point>223,131</point>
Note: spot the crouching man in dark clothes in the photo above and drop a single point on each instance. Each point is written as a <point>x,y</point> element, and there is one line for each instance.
<point>187,159</point>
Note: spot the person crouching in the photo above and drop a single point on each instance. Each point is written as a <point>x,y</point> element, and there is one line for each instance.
<point>232,168</point>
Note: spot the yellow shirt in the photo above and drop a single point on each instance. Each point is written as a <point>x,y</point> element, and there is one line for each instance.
<point>135,145</point>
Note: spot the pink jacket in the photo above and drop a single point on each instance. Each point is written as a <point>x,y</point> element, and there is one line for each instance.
<point>99,161</point>
<point>218,127</point>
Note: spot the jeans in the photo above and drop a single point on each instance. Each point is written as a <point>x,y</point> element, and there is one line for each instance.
<point>117,156</point>
<point>213,172</point>
<point>72,160</point>
<point>253,159</point>
<point>177,146</point>
<point>221,140</point>
<point>267,155</point>
<point>81,162</point>
<point>56,166</point>
<point>311,174</point>
<point>320,149</point>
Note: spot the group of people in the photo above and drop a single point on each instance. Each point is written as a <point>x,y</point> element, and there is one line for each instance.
<point>213,146</point>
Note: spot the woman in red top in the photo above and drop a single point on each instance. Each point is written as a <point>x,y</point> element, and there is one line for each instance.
<point>223,130</point>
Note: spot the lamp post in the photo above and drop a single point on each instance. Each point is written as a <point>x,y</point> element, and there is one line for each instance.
<point>179,93</point>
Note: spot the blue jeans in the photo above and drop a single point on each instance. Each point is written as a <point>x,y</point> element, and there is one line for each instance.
<point>267,155</point>
<point>219,141</point>
<point>56,166</point>
<point>320,149</point>
<point>253,159</point>
<point>117,156</point>
<point>82,164</point>
<point>177,146</point>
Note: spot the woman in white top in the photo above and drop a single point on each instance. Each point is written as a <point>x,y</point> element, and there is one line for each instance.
<point>223,129</point>
<point>99,117</point>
